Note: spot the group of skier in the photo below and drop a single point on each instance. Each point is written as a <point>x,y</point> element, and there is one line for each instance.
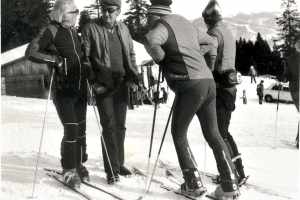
<point>199,67</point>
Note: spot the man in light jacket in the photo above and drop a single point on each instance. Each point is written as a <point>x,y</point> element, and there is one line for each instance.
<point>109,52</point>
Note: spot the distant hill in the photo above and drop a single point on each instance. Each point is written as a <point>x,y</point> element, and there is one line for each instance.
<point>248,25</point>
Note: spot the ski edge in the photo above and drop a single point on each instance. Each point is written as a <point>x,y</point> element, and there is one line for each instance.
<point>72,188</point>
<point>88,184</point>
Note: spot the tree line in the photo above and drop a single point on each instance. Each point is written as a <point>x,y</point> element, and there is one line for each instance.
<point>22,19</point>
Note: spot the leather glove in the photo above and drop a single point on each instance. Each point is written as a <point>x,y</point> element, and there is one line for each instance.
<point>99,88</point>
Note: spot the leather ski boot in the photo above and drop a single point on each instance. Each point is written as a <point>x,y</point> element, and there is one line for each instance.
<point>228,188</point>
<point>193,185</point>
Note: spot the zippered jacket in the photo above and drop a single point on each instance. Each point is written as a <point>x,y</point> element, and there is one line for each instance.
<point>95,38</point>
<point>55,39</point>
<point>179,47</point>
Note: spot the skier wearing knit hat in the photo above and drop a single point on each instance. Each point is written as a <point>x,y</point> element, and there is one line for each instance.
<point>178,47</point>
<point>221,60</point>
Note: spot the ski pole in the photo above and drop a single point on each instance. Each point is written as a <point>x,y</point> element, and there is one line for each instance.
<point>152,132</point>
<point>161,144</point>
<point>277,115</point>
<point>101,135</point>
<point>38,158</point>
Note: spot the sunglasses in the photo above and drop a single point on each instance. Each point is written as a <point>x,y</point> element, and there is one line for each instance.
<point>74,12</point>
<point>109,10</point>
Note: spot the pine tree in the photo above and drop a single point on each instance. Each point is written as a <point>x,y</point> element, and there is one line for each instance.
<point>83,19</point>
<point>136,19</point>
<point>21,21</point>
<point>290,25</point>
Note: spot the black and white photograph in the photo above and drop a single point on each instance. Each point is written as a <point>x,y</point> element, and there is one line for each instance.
<point>150,99</point>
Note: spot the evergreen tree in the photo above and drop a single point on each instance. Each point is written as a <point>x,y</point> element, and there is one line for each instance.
<point>276,65</point>
<point>21,21</point>
<point>83,19</point>
<point>289,23</point>
<point>94,9</point>
<point>136,19</point>
<point>261,54</point>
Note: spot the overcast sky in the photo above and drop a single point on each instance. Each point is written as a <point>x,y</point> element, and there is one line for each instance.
<point>192,9</point>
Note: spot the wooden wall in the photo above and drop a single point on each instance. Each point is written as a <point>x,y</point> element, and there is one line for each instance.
<point>24,78</point>
<point>24,67</point>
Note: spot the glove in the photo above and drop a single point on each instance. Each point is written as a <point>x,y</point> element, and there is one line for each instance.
<point>58,60</point>
<point>87,68</point>
<point>280,78</point>
<point>99,88</point>
<point>129,84</point>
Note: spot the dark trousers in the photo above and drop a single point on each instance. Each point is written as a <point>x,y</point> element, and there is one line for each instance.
<point>72,114</point>
<point>225,106</point>
<point>112,108</point>
<point>199,100</point>
<point>253,79</point>
<point>260,98</point>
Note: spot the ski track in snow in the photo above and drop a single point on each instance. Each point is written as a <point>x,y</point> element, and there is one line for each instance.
<point>252,126</point>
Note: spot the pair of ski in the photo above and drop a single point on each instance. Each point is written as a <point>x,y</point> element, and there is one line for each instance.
<point>56,175</point>
<point>173,172</point>
<point>173,178</point>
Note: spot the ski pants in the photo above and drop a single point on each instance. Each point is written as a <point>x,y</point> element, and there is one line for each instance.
<point>112,108</point>
<point>72,114</point>
<point>225,105</point>
<point>199,100</point>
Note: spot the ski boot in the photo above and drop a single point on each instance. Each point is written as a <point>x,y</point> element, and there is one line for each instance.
<point>193,185</point>
<point>112,177</point>
<point>228,188</point>
<point>83,173</point>
<point>125,172</point>
<point>71,177</point>
<point>237,161</point>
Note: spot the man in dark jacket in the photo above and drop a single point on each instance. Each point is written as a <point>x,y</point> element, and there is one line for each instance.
<point>291,75</point>
<point>260,91</point>
<point>110,53</point>
<point>221,60</point>
<point>178,47</point>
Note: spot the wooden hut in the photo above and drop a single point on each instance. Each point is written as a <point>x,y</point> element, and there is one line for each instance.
<point>21,77</point>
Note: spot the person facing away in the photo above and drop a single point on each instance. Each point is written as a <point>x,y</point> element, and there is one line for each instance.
<point>110,53</point>
<point>291,75</point>
<point>187,74</point>
<point>252,73</point>
<point>220,59</point>
<point>62,45</point>
<point>260,91</point>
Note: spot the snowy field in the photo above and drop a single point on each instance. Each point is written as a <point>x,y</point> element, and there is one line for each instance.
<point>274,170</point>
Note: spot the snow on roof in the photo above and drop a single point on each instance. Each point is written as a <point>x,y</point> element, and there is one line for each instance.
<point>13,55</point>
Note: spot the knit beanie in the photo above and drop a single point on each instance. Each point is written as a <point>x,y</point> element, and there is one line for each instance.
<point>112,2</point>
<point>159,7</point>
<point>212,12</point>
